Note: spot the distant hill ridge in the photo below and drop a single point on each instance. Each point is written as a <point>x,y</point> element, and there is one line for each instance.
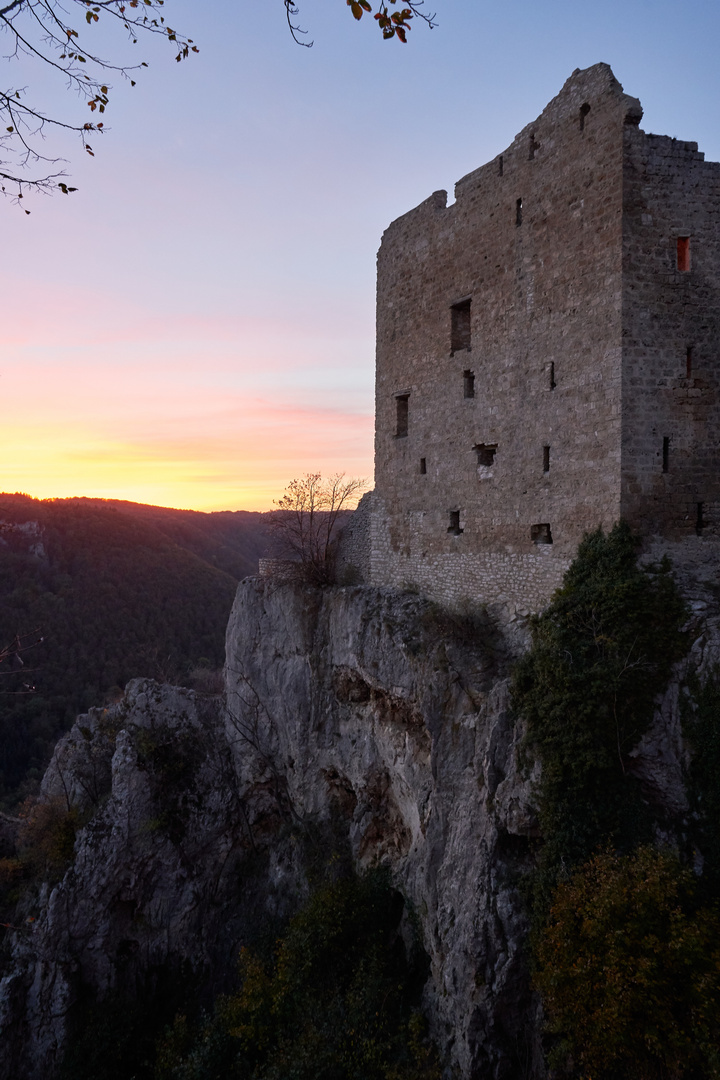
<point>118,590</point>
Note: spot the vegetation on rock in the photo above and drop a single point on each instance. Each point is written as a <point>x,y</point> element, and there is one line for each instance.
<point>601,652</point>
<point>702,730</point>
<point>626,957</point>
<point>336,1001</point>
<point>629,971</point>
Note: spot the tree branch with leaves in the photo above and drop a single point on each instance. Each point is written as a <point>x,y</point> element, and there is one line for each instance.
<point>393,24</point>
<point>57,34</point>
<point>44,32</point>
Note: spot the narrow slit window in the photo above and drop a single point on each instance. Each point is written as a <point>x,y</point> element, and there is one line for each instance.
<point>666,454</point>
<point>486,454</point>
<point>541,534</point>
<point>501,165</point>
<point>454,526</point>
<point>584,110</point>
<point>423,466</point>
<point>699,519</point>
<point>468,384</point>
<point>551,375</point>
<point>460,327</point>
<point>546,459</point>
<point>403,409</point>
<point>518,212</point>
<point>683,254</point>
<point>688,361</point>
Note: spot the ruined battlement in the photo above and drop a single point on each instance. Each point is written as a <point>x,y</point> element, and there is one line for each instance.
<point>547,354</point>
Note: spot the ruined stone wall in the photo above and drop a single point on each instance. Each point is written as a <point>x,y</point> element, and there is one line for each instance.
<point>354,547</point>
<point>499,358</point>
<point>522,582</point>
<point>671,327</point>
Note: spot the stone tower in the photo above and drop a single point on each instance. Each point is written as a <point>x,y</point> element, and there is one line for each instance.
<point>547,355</point>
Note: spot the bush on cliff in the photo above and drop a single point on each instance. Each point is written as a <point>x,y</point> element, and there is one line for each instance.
<point>629,972</point>
<point>601,653</point>
<point>337,1001</point>
<point>702,730</point>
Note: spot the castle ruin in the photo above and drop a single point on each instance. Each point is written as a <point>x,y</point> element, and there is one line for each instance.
<point>547,356</point>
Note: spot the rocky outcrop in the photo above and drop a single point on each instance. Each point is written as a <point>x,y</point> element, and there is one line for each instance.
<point>379,710</point>
<point>370,716</point>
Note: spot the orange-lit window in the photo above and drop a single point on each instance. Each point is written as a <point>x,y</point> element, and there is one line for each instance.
<point>683,254</point>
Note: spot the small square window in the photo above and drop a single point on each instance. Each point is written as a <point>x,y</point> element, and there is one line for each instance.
<point>540,534</point>
<point>454,526</point>
<point>485,454</point>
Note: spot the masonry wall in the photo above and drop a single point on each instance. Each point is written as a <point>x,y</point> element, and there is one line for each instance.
<point>671,344</point>
<point>470,494</point>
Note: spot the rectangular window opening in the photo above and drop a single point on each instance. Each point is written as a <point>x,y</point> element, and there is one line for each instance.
<point>468,384</point>
<point>423,466</point>
<point>454,526</point>
<point>403,409</point>
<point>500,165</point>
<point>541,534</point>
<point>699,520</point>
<point>666,454</point>
<point>546,459</point>
<point>460,327</point>
<point>551,375</point>
<point>683,254</point>
<point>688,361</point>
<point>518,212</point>
<point>485,453</point>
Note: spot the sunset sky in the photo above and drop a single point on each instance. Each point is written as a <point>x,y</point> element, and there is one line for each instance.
<point>194,326</point>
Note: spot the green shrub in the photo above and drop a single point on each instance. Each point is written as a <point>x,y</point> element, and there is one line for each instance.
<point>629,972</point>
<point>46,839</point>
<point>337,1001</point>
<point>601,653</point>
<point>702,729</point>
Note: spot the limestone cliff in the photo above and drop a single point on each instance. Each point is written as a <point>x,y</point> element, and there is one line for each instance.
<point>368,713</point>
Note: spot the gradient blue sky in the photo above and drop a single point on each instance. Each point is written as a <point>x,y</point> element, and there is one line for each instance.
<point>194,327</point>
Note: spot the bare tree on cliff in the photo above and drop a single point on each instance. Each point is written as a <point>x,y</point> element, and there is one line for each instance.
<point>42,31</point>
<point>307,520</point>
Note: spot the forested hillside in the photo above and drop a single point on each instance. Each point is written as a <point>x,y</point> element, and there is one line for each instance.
<point>115,590</point>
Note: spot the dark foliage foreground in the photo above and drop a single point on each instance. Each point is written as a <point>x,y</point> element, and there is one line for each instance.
<point>626,938</point>
<point>335,999</point>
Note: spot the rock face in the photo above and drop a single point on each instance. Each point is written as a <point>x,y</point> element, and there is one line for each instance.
<point>378,710</point>
<point>367,714</point>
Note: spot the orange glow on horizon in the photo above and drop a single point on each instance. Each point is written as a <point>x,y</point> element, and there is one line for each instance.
<point>151,439</point>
